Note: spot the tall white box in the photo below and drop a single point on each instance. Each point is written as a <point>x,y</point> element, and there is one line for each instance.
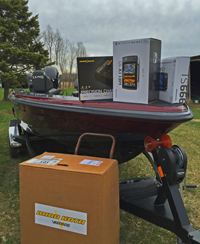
<point>173,81</point>
<point>135,67</point>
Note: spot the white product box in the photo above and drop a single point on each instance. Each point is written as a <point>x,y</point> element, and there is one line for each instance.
<point>135,65</point>
<point>173,82</point>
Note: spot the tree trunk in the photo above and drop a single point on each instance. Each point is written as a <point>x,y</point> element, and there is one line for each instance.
<point>6,91</point>
<point>71,66</point>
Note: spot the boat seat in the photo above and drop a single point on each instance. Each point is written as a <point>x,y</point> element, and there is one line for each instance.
<point>53,74</point>
<point>41,82</point>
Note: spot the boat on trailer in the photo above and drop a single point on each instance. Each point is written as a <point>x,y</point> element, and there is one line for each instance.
<point>43,112</point>
<point>65,118</point>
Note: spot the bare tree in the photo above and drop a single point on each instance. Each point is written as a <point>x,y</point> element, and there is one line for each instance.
<point>49,39</point>
<point>81,50</point>
<point>58,45</point>
<point>63,55</point>
<point>63,52</point>
<point>72,56</point>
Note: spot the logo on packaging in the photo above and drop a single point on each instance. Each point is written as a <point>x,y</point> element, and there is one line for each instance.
<point>120,73</point>
<point>183,88</point>
<point>60,218</point>
<point>86,61</point>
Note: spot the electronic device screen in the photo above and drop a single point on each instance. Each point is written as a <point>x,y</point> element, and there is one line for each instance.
<point>161,81</point>
<point>129,68</point>
<point>129,75</point>
<point>130,72</point>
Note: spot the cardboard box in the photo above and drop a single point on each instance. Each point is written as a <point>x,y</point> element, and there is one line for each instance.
<point>173,80</point>
<point>69,199</point>
<point>135,64</point>
<point>95,76</point>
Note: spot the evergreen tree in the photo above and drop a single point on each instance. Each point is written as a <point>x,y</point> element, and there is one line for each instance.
<point>20,48</point>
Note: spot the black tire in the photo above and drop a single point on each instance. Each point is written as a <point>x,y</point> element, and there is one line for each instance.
<point>138,188</point>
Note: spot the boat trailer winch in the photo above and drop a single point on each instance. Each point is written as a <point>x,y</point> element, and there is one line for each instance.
<point>166,209</point>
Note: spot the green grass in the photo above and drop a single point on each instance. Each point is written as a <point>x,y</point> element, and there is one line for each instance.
<point>132,229</point>
<point>196,110</point>
<point>70,90</point>
<point>1,93</point>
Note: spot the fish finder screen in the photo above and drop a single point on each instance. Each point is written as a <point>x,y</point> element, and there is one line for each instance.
<point>129,68</point>
<point>161,81</point>
<point>129,75</point>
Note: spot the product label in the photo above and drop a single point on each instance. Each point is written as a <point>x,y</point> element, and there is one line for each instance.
<point>91,162</point>
<point>60,218</point>
<point>48,157</point>
<point>43,161</point>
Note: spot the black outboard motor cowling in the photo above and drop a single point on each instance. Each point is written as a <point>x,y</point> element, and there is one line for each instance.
<point>41,82</point>
<point>53,74</point>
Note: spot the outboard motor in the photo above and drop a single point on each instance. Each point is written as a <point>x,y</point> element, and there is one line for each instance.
<point>53,74</point>
<point>30,82</point>
<point>41,82</point>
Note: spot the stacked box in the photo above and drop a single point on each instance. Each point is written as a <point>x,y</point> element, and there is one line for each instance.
<point>173,80</point>
<point>136,64</point>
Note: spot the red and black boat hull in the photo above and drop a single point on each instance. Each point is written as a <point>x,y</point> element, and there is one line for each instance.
<point>43,114</point>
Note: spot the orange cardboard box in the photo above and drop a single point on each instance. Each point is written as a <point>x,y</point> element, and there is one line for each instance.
<point>69,199</point>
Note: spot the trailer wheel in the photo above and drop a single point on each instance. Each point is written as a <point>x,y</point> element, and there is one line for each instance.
<point>138,188</point>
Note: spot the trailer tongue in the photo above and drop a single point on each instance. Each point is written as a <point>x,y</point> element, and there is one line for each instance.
<point>164,208</point>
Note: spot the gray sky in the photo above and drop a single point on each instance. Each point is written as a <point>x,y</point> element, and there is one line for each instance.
<point>97,23</point>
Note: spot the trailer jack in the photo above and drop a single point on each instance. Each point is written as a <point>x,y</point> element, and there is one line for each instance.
<point>166,209</point>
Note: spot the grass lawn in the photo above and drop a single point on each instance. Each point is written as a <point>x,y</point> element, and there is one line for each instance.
<point>133,229</point>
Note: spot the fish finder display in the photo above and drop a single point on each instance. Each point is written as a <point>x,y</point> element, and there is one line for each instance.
<point>129,68</point>
<point>130,72</point>
<point>129,75</point>
<point>161,81</point>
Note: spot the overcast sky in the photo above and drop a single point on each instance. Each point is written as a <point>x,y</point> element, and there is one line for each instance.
<point>97,23</point>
